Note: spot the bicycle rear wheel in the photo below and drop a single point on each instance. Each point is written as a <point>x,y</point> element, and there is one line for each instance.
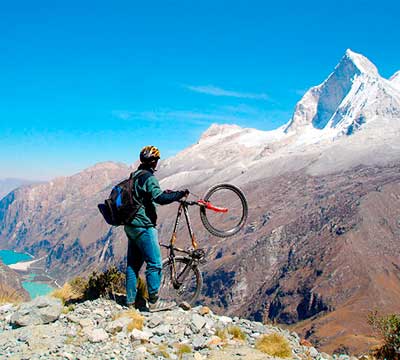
<point>224,224</point>
<point>189,278</point>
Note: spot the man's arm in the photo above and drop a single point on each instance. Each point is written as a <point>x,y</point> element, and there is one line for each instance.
<point>162,197</point>
<point>167,197</point>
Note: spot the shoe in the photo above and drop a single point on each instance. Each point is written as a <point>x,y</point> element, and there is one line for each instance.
<point>142,307</point>
<point>161,305</point>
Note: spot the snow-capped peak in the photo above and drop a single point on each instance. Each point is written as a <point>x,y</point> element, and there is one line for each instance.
<point>351,94</point>
<point>395,79</point>
<point>360,62</point>
<point>219,131</point>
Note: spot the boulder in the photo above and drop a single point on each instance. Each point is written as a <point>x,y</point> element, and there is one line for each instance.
<point>42,310</point>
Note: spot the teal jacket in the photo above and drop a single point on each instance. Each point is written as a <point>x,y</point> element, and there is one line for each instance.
<point>147,191</point>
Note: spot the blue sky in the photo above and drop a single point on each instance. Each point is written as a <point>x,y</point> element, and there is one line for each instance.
<point>89,81</point>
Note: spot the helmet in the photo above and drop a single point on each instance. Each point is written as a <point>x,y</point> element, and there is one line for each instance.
<point>149,153</point>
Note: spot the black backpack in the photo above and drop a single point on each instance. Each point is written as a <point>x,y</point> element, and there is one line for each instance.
<point>121,207</point>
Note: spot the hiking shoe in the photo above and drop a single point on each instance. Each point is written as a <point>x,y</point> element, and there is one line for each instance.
<point>161,305</point>
<point>142,307</point>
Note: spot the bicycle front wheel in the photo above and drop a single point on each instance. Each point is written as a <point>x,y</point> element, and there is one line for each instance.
<point>231,198</point>
<point>188,284</point>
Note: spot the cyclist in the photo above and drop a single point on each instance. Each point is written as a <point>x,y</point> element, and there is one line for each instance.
<point>142,235</point>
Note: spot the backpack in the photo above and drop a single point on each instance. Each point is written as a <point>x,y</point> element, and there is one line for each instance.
<point>121,207</point>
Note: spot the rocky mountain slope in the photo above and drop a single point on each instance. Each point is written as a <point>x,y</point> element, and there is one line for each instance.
<point>9,184</point>
<point>10,285</point>
<point>102,329</point>
<point>322,242</point>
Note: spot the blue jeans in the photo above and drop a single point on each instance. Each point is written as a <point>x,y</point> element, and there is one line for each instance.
<point>142,247</point>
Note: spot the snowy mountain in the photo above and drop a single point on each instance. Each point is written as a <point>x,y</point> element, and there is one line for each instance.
<point>352,117</point>
<point>353,95</point>
<point>395,80</point>
<point>323,190</point>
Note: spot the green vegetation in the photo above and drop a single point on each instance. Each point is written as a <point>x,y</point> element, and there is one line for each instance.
<point>274,344</point>
<point>388,328</point>
<point>104,284</point>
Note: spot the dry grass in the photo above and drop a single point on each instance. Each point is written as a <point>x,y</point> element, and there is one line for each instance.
<point>163,351</point>
<point>68,293</point>
<point>274,345</point>
<point>183,349</point>
<point>9,295</point>
<point>221,333</point>
<point>236,332</point>
<point>137,320</point>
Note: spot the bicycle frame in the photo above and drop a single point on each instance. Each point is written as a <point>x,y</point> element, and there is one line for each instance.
<point>183,206</point>
<point>194,255</point>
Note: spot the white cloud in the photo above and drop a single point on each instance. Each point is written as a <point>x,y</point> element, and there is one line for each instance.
<point>217,91</point>
<point>195,117</point>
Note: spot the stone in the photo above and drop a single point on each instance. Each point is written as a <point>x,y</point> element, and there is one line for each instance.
<point>214,341</point>
<point>95,335</point>
<point>140,335</point>
<point>162,329</point>
<point>72,318</point>
<point>100,311</point>
<point>225,320</point>
<point>198,356</point>
<point>198,321</point>
<point>325,356</point>
<point>154,321</point>
<point>118,325</point>
<point>199,342</point>
<point>305,342</point>
<point>188,331</point>
<point>204,310</point>
<point>86,322</point>
<point>313,352</point>
<point>68,355</point>
<point>42,310</point>
<point>185,306</point>
<point>344,357</point>
<point>6,308</point>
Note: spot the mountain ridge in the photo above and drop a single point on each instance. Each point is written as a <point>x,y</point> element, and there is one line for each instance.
<point>306,190</point>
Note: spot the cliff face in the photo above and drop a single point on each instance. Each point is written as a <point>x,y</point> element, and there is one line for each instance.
<point>320,248</point>
<point>60,220</point>
<point>10,286</point>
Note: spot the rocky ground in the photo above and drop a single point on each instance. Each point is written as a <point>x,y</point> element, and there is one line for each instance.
<point>101,329</point>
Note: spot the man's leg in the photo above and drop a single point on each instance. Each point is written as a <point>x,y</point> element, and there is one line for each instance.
<point>134,263</point>
<point>152,256</point>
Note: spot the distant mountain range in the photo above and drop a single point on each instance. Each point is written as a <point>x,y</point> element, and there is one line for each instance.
<point>9,184</point>
<point>321,246</point>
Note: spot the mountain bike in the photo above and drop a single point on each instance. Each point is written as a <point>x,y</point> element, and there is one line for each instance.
<point>223,212</point>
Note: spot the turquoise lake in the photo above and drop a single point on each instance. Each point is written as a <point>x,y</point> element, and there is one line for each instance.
<point>34,288</point>
<point>11,257</point>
